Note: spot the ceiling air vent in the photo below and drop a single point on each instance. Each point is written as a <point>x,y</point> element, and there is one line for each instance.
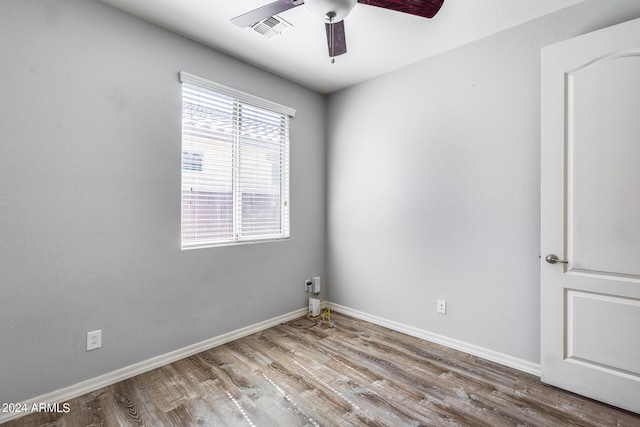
<point>272,26</point>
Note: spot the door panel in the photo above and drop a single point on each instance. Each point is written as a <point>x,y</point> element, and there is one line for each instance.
<point>593,333</point>
<point>603,159</point>
<point>590,215</point>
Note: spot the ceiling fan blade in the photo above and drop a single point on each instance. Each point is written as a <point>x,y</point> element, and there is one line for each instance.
<point>336,40</point>
<point>264,12</point>
<point>424,8</point>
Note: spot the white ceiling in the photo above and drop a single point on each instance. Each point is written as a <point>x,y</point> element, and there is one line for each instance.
<point>378,40</point>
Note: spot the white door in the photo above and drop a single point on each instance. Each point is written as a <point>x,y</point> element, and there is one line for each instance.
<point>590,329</point>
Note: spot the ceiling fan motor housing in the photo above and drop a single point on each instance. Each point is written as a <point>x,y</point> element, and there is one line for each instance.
<point>330,10</point>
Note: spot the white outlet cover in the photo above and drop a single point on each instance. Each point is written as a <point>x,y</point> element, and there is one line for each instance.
<point>94,340</point>
<point>442,306</point>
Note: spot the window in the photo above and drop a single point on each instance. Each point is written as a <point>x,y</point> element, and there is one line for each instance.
<point>235,166</point>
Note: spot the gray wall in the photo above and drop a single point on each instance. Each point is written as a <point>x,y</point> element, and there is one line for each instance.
<point>90,198</point>
<point>433,186</point>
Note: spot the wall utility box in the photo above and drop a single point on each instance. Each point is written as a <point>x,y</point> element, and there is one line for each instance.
<point>314,306</point>
<point>315,285</point>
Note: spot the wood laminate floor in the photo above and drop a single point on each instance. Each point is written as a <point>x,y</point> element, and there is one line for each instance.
<point>354,374</point>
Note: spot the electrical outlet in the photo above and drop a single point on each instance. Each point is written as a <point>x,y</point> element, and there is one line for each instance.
<point>307,285</point>
<point>94,340</point>
<point>442,306</point>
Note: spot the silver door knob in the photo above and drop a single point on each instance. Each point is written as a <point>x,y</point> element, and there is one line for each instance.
<point>552,259</point>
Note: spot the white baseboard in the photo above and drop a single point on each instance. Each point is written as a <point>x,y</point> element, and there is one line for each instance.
<point>494,356</point>
<point>88,386</point>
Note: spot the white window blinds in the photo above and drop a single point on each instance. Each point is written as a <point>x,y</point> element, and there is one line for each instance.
<point>235,166</point>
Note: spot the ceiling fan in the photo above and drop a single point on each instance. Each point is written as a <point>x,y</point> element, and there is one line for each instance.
<point>333,13</point>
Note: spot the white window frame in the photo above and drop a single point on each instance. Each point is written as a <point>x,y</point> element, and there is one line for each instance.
<point>192,240</point>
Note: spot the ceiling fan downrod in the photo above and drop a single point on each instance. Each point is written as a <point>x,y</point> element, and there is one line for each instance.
<point>330,16</point>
